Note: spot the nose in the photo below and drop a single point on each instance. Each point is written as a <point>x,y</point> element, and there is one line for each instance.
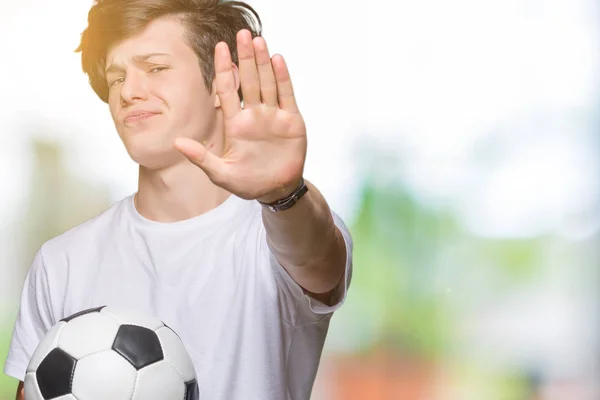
<point>134,89</point>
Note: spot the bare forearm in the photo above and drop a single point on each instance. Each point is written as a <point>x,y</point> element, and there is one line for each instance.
<point>306,242</point>
<point>20,393</point>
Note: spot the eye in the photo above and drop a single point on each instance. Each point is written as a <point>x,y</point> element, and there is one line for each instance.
<point>158,69</point>
<point>115,81</point>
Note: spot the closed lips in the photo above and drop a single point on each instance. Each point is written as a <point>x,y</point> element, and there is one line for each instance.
<point>138,115</point>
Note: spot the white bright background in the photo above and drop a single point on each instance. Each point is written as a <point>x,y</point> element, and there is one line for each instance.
<point>489,105</point>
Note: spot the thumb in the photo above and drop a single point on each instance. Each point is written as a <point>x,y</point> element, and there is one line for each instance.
<point>211,164</point>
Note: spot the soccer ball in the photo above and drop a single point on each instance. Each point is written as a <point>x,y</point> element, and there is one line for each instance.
<point>106,353</point>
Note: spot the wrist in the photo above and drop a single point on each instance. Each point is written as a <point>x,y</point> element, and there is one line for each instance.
<point>284,198</point>
<point>280,193</point>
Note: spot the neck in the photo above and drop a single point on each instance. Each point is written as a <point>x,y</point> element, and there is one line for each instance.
<point>179,192</point>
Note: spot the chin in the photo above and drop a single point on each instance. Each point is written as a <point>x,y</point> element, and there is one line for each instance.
<point>154,155</point>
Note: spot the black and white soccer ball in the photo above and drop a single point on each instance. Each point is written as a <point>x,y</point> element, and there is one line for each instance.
<point>106,353</point>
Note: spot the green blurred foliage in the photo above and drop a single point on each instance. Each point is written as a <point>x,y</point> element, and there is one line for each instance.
<point>395,260</point>
<point>413,262</point>
<point>474,381</point>
<point>8,386</point>
<point>518,259</point>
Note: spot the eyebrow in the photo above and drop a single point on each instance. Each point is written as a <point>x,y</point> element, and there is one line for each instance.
<point>138,58</point>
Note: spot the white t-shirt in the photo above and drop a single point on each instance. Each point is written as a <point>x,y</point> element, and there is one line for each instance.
<point>251,331</point>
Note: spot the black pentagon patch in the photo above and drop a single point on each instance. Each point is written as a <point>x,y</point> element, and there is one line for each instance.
<point>55,374</point>
<point>138,345</point>
<point>80,313</point>
<point>191,390</point>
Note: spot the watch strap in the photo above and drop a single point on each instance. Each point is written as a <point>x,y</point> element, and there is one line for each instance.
<point>289,201</point>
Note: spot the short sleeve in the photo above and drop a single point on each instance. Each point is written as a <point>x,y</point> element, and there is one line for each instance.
<point>306,302</point>
<point>34,319</point>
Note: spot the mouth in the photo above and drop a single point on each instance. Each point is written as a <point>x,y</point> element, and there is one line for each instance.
<point>138,116</point>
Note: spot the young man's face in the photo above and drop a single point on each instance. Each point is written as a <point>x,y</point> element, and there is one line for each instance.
<point>157,93</point>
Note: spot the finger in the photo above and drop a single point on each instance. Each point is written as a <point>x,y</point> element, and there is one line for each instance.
<point>214,167</point>
<point>225,81</point>
<point>285,90</point>
<point>268,85</point>
<point>249,80</point>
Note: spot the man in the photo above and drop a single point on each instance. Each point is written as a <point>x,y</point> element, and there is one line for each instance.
<point>224,240</point>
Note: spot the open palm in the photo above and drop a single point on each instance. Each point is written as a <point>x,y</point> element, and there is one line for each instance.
<point>265,140</point>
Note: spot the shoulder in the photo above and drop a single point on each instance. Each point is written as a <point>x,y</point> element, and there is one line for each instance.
<point>88,232</point>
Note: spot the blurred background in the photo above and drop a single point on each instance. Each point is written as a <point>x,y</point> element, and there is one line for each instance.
<point>460,141</point>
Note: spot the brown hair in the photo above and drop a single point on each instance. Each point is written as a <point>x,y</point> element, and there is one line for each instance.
<point>207,22</point>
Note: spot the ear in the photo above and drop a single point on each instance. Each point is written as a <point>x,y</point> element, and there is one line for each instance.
<point>236,77</point>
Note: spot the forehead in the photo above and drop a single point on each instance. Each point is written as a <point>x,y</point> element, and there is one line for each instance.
<point>163,35</point>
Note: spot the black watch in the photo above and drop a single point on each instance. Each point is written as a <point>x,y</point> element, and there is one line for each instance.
<point>289,201</point>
